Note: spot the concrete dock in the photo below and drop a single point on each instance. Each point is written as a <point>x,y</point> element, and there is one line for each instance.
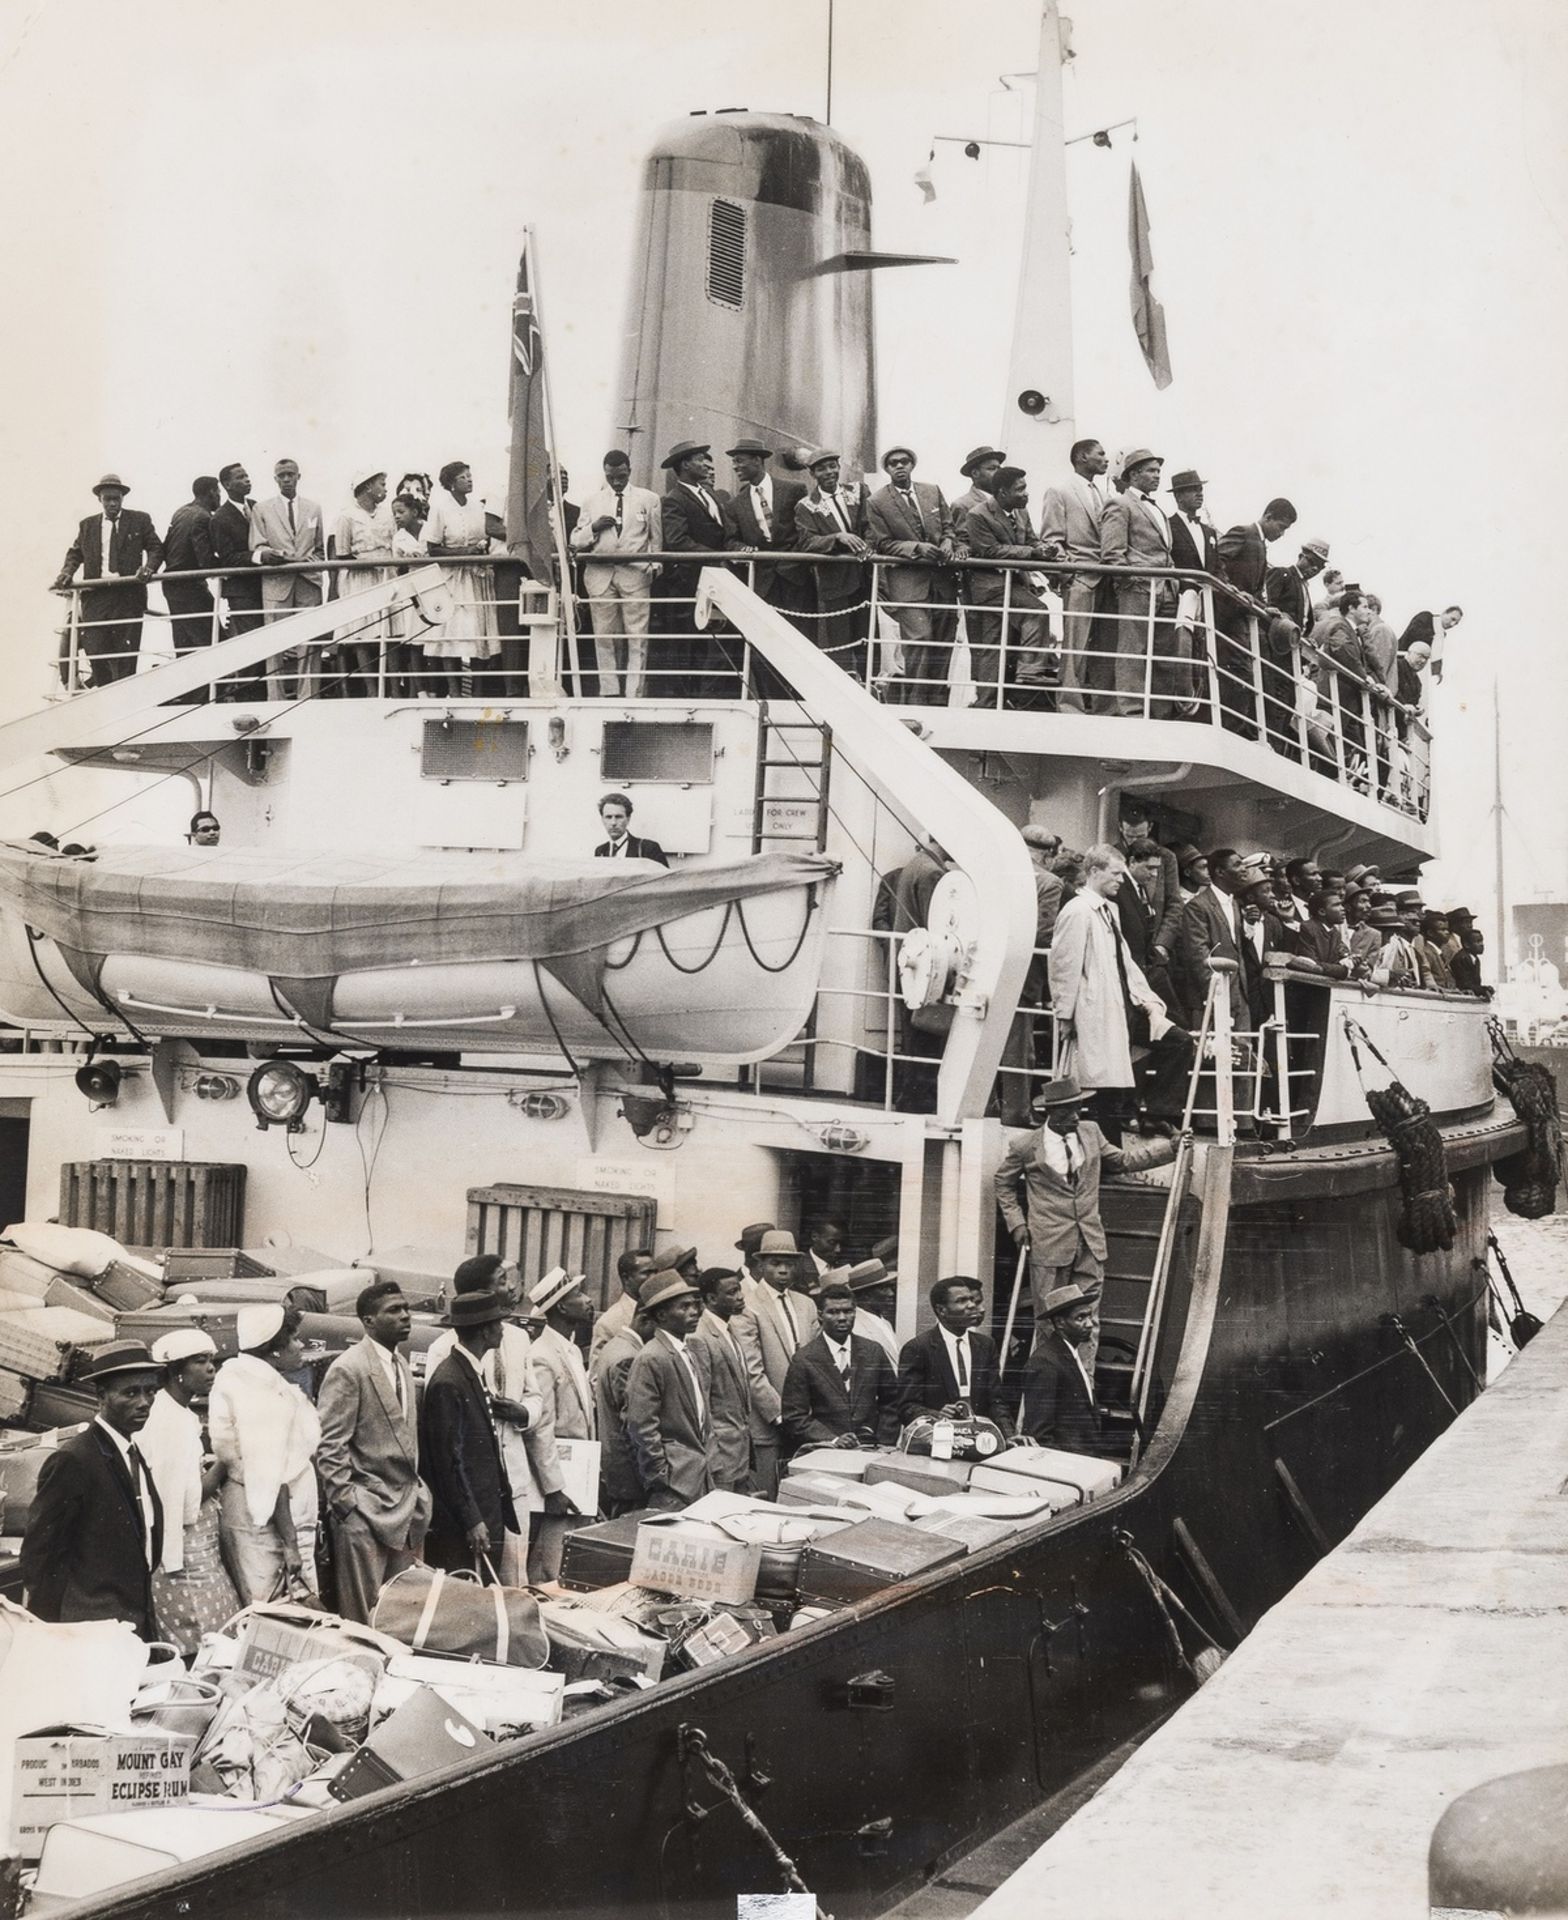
<point>1427,1654</point>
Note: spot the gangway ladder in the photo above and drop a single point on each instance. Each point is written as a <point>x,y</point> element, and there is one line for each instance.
<point>811,764</point>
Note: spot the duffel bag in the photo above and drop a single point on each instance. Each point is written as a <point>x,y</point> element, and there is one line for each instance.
<point>437,1612</point>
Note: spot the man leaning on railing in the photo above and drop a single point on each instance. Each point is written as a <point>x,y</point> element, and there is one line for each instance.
<point>121,545</point>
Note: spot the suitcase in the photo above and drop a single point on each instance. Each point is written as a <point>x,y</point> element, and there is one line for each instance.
<point>600,1555</point>
<point>1086,1476</point>
<point>868,1558</point>
<point>849,1463</point>
<point>51,1405</point>
<point>818,1490</point>
<point>16,1395</point>
<point>49,1343</point>
<point>1034,1500</point>
<point>216,1318</point>
<point>424,1735</point>
<point>920,1474</point>
<point>124,1286</point>
<point>20,1466</point>
<point>973,1531</point>
<point>73,1293</point>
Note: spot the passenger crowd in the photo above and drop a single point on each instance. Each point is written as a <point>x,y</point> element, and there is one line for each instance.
<point>249,1479</point>
<point>1127,644</point>
<point>1126,935</point>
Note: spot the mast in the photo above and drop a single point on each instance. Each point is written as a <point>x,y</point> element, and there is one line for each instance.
<point>1041,365</point>
<point>1501,962</point>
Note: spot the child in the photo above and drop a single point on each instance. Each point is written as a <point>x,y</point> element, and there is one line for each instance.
<point>405,659</point>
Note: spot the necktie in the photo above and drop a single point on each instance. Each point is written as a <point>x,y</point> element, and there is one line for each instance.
<point>837,506</point>
<point>142,1481</point>
<point>961,1362</point>
<point>789,1321</point>
<point>764,518</point>
<point>709,502</point>
<point>843,1366</point>
<point>620,511</point>
<point>293,528</point>
<point>397,1379</point>
<point>912,502</point>
<point>1018,526</point>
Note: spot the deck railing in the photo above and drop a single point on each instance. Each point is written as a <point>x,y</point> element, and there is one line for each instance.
<point>1003,636</point>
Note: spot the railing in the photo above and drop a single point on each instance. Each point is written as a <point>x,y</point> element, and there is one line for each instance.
<point>1000,635</point>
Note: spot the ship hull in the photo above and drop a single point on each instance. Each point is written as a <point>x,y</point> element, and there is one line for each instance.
<point>1291,1405</point>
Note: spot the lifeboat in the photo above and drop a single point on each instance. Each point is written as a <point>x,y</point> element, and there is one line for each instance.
<point>715,961</point>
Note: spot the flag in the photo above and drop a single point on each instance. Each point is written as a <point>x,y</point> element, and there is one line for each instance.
<point>1148,316</point>
<point>528,531</point>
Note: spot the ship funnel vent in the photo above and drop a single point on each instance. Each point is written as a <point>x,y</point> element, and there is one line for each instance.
<point>727,254</point>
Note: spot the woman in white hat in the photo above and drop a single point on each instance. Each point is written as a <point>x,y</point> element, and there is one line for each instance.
<point>265,1433</point>
<point>191,1589</point>
<point>364,531</point>
<point>456,526</point>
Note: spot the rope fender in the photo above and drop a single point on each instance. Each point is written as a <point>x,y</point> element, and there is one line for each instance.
<point>1427,1221</point>
<point>1530,1178</point>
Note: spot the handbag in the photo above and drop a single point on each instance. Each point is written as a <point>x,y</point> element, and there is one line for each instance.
<point>969,1436</point>
<point>433,1611</point>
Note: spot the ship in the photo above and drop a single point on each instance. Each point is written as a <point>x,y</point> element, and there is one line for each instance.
<point>734,1040</point>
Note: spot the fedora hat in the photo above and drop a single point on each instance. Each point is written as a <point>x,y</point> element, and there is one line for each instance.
<point>1065,1092</point>
<point>1062,1299</point>
<point>976,454</point>
<point>751,1237</point>
<point>120,1356</point>
<point>869,1273</point>
<point>777,1242</point>
<point>476,1309</point>
<point>553,1288</point>
<point>673,1257</point>
<point>749,446</point>
<point>1186,478</point>
<point>1136,458</point>
<point>683,450</point>
<point>674,1288</point>
<point>112,480</point>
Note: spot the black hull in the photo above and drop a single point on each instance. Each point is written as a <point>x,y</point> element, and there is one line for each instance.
<point>1291,1406</point>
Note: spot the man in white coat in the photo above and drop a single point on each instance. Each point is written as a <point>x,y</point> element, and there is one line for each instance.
<point>1104,1005</point>
<point>776,1323</point>
<point>619,522</point>
<point>1070,517</point>
<point>286,531</point>
<point>557,1357</point>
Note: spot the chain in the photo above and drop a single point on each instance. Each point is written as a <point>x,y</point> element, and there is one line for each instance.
<point>694,1744</point>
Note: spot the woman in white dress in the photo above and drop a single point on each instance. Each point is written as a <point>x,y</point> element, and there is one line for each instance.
<point>191,1589</point>
<point>404,659</point>
<point>456,525</point>
<point>363,531</point>
<point>265,1432</point>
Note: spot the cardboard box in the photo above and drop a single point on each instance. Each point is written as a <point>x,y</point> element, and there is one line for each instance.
<point>580,1473</point>
<point>272,1641</point>
<point>64,1773</point>
<point>697,1562</point>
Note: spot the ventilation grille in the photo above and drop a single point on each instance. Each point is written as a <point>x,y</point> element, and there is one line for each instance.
<point>727,254</point>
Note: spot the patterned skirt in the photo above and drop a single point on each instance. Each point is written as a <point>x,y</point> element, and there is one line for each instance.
<point>201,1598</point>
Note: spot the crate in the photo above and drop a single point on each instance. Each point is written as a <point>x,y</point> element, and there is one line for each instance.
<point>156,1203</point>
<point>545,1227</point>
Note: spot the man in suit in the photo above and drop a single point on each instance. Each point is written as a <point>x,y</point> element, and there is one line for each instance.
<point>980,469</point>
<point>762,520</point>
<point>1343,667</point>
<point>1194,545</point>
<point>696,521</point>
<point>1263,933</point>
<point>777,1322</point>
<point>617,524</point>
<point>1057,1409</point>
<point>368,1460</point>
<point>95,1531</point>
<point>951,1363</point>
<point>472,1509</point>
<point>239,585</point>
<point>116,543</point>
<point>1211,930</point>
<point>831,520</point>
<point>910,521</point>
<point>669,1399</point>
<point>1139,918</point>
<point>1135,827</point>
<point>1071,519</point>
<point>1286,590</point>
<point>1244,564</point>
<point>840,1390</point>
<point>999,528</point>
<point>562,1299</point>
<point>287,531</point>
<point>1428,630</point>
<point>1135,533</point>
<point>632,1269</point>
<point>723,1302</point>
<point>1058,1167</point>
<point>189,549</point>
<point>620,1487</point>
<point>875,1287</point>
<point>615,810</point>
<point>1322,943</point>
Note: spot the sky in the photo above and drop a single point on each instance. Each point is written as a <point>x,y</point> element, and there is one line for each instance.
<point>234,245</point>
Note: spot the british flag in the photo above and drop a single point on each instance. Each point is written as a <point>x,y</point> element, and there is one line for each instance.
<point>529,533</point>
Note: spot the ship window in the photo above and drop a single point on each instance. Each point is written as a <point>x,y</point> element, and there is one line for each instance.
<point>669,750</point>
<point>727,254</point>
<point>474,750</point>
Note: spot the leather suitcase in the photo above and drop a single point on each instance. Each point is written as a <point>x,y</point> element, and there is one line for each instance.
<point>51,1405</point>
<point>20,1467</point>
<point>868,1558</point>
<point>849,1463</point>
<point>920,1474</point>
<point>600,1555</point>
<point>817,1490</point>
<point>1082,1473</point>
